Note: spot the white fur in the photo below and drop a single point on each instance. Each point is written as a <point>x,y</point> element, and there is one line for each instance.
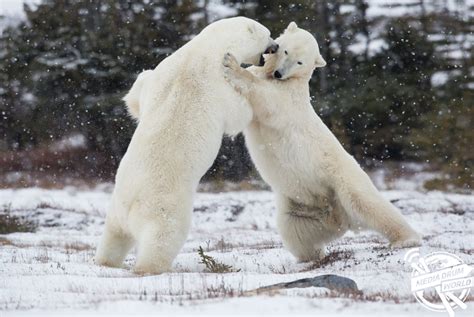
<point>321,190</point>
<point>184,107</point>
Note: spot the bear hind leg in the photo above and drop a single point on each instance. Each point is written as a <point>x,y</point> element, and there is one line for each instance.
<point>162,236</point>
<point>298,240</point>
<point>303,234</point>
<point>113,247</point>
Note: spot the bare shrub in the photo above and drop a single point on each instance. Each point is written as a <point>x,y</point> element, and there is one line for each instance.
<point>10,223</point>
<point>214,266</point>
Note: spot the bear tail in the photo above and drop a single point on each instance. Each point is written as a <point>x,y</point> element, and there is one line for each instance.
<point>132,98</point>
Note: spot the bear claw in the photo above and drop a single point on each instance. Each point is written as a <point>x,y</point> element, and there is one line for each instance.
<point>230,61</point>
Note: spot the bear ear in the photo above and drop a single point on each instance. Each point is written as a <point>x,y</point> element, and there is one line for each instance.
<point>291,27</point>
<point>319,62</point>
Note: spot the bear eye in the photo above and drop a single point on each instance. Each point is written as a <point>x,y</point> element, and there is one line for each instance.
<point>286,52</point>
<point>300,63</point>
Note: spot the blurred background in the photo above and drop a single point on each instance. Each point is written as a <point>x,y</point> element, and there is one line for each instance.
<point>398,87</point>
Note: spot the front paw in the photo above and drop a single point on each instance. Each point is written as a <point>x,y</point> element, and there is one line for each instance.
<point>230,61</point>
<point>409,242</point>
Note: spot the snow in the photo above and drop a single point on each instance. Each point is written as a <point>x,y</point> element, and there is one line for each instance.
<point>217,10</point>
<point>375,46</point>
<point>13,7</point>
<point>11,12</point>
<point>73,141</point>
<point>439,78</point>
<point>382,9</point>
<point>52,270</point>
<point>401,8</point>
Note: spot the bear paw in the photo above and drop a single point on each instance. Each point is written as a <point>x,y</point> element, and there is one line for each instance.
<point>406,243</point>
<point>233,74</point>
<point>317,256</point>
<point>230,61</point>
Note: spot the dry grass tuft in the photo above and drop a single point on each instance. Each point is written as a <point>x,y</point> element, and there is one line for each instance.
<point>214,266</point>
<point>333,257</point>
<point>10,223</point>
<point>76,247</point>
<point>5,241</point>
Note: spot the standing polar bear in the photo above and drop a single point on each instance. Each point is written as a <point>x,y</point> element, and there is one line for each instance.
<point>184,107</point>
<point>321,190</point>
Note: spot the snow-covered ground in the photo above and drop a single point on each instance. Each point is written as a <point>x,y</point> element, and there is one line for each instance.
<point>52,269</point>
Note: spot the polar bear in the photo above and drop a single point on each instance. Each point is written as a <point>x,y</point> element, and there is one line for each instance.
<point>184,107</point>
<point>321,190</point>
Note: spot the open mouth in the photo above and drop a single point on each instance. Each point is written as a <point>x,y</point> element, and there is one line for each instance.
<point>272,49</point>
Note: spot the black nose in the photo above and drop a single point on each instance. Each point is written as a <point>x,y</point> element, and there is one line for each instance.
<point>277,74</point>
